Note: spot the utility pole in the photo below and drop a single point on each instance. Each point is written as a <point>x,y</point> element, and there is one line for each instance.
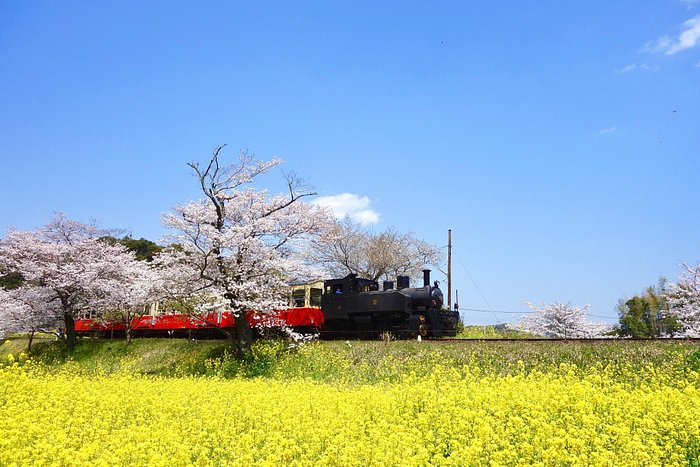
<point>449,269</point>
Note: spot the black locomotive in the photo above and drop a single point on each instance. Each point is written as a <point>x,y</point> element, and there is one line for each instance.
<point>352,305</point>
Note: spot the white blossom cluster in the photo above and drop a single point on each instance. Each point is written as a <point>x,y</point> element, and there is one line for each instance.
<point>241,250</point>
<point>683,298</point>
<point>68,272</point>
<point>562,320</point>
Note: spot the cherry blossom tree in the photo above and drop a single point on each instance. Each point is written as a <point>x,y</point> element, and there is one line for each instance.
<point>683,298</point>
<point>350,248</point>
<point>561,320</point>
<point>18,313</point>
<point>132,286</point>
<point>68,271</point>
<point>242,242</point>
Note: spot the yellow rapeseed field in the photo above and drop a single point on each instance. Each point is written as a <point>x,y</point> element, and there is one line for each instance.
<point>453,416</point>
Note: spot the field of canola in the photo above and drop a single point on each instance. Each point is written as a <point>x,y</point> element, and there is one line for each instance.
<point>600,414</point>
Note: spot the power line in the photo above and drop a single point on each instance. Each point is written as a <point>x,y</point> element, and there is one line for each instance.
<point>478,310</point>
<point>495,311</point>
<point>491,310</point>
<point>498,321</point>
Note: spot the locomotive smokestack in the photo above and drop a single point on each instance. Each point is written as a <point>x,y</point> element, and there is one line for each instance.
<point>426,277</point>
<point>388,285</point>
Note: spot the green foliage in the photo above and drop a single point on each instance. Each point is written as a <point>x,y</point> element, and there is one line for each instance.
<point>460,327</point>
<point>646,315</point>
<point>262,360</point>
<point>11,281</point>
<point>694,361</point>
<point>142,248</point>
<point>693,452</point>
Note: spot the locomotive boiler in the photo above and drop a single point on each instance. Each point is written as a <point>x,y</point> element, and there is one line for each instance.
<point>353,305</point>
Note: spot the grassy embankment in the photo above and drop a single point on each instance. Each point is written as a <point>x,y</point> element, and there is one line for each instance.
<point>351,361</point>
<point>490,332</point>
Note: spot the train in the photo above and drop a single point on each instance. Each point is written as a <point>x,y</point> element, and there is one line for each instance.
<point>345,307</point>
<point>355,305</point>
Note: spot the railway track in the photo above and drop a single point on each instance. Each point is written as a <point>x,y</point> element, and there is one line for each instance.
<point>542,339</point>
<point>360,337</point>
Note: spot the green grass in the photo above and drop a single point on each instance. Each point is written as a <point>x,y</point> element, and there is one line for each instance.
<point>147,356</point>
<point>353,362</point>
<point>490,332</point>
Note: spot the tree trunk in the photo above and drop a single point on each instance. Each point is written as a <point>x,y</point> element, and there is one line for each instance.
<point>243,338</point>
<point>127,332</point>
<point>31,338</point>
<point>71,339</point>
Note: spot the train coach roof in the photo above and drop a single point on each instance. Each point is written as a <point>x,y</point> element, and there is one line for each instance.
<point>310,282</point>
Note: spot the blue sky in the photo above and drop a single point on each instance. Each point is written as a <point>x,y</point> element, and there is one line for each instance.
<point>558,140</point>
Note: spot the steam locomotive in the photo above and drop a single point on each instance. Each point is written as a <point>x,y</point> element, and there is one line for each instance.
<point>349,306</point>
<point>355,305</point>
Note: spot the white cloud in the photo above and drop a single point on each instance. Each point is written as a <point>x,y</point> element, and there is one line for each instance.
<point>690,37</point>
<point>606,131</point>
<point>660,45</point>
<point>635,67</point>
<point>348,204</point>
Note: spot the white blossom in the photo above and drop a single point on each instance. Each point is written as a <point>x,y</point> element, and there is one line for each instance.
<point>68,271</point>
<point>561,320</point>
<point>683,299</point>
<point>238,246</point>
<point>19,311</point>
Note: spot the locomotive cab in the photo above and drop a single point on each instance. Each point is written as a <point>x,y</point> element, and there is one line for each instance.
<point>350,284</point>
